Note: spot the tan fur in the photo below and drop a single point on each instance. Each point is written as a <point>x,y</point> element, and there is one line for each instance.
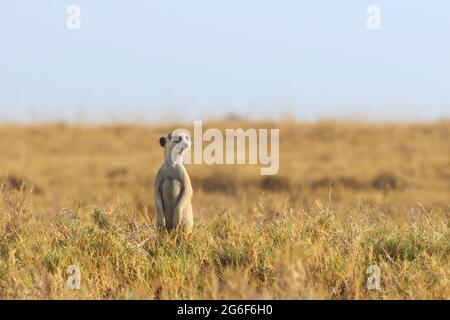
<point>173,190</point>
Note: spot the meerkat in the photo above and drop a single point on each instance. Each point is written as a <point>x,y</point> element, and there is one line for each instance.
<point>173,190</point>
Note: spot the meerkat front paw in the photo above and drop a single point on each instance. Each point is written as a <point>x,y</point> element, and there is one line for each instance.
<point>177,216</point>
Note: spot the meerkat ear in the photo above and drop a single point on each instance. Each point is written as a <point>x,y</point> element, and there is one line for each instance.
<point>162,141</point>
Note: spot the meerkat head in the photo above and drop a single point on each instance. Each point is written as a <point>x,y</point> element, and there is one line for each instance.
<point>175,145</point>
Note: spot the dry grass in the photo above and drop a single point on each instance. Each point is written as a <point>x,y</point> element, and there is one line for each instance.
<point>348,196</point>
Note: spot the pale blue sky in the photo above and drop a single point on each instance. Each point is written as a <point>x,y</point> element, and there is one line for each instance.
<point>132,60</point>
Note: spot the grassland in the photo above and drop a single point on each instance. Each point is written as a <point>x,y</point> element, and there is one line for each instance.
<point>348,195</point>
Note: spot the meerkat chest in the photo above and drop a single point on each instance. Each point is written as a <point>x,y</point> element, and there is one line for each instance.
<point>171,189</point>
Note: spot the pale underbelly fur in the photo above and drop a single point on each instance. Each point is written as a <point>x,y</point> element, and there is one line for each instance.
<point>171,192</point>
